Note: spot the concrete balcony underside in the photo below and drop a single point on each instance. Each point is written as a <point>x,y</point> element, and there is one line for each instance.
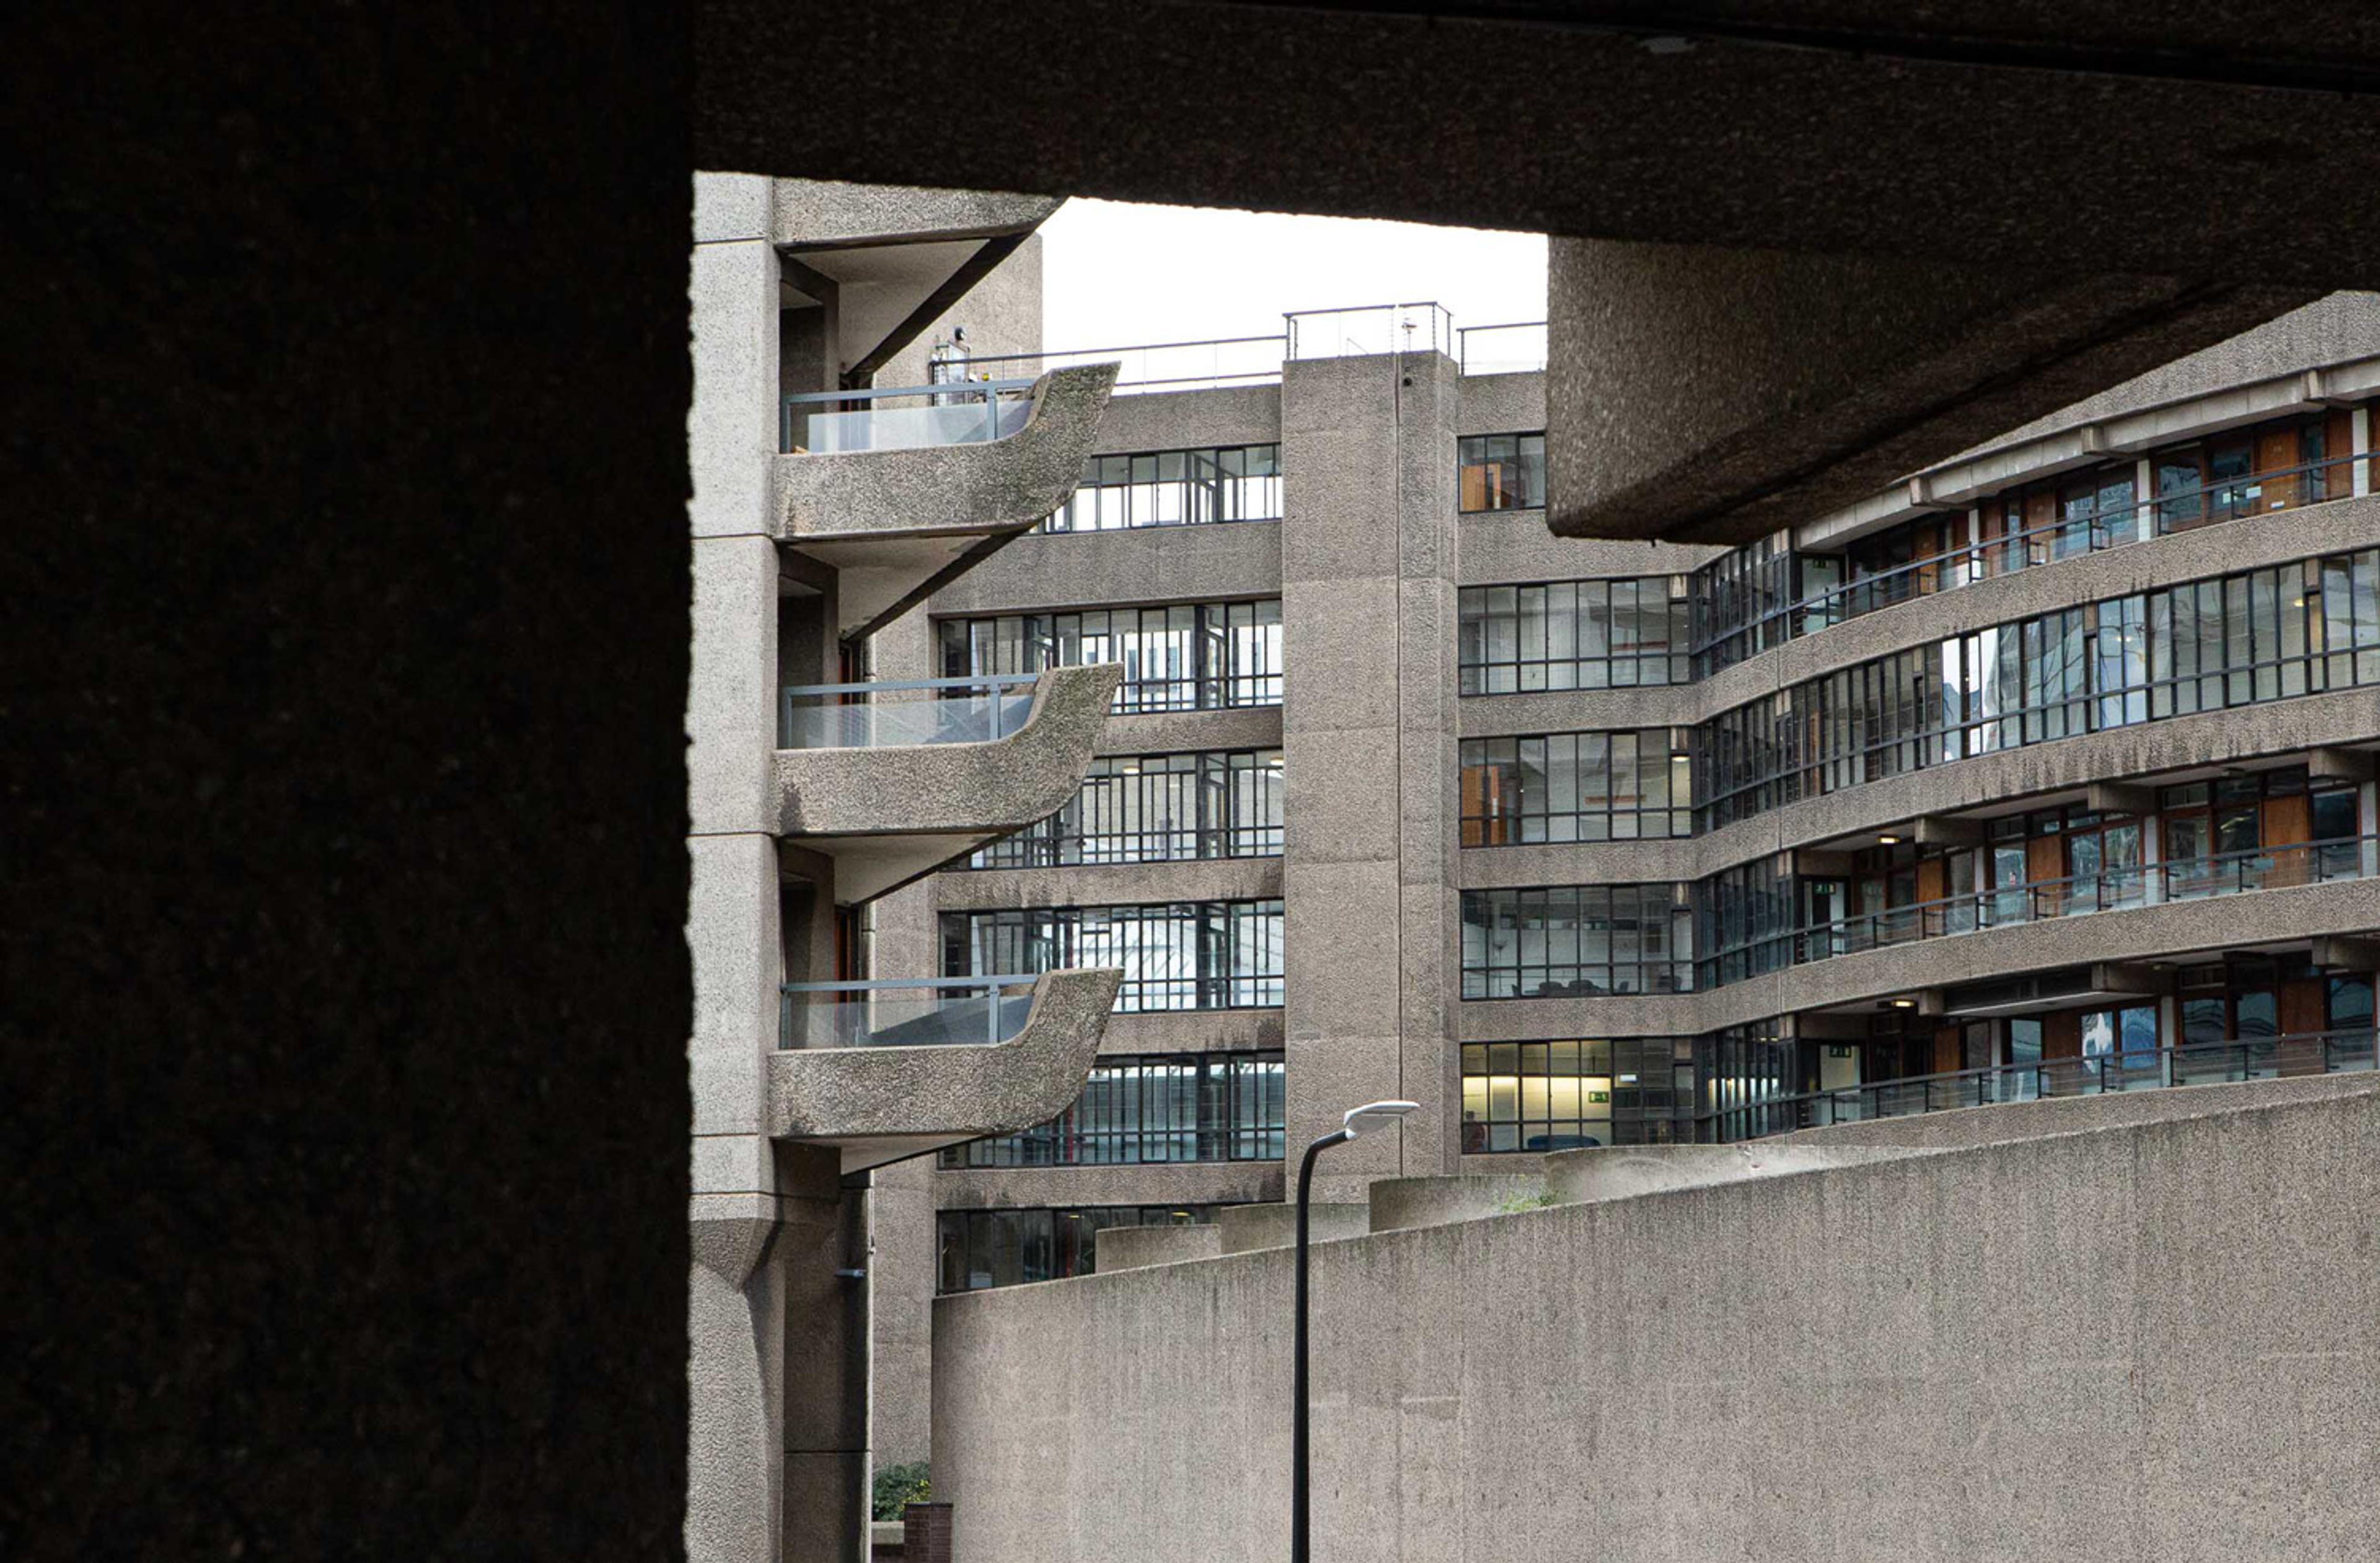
<point>887,815</point>
<point>896,524</point>
<point>2172,933</point>
<point>886,1104</point>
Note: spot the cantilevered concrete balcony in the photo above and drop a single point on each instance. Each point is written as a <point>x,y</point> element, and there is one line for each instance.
<point>895,523</point>
<point>908,1078</point>
<point>894,789</point>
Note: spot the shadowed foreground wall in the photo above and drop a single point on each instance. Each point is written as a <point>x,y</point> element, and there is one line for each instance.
<point>343,1025</point>
<point>2146,1342</point>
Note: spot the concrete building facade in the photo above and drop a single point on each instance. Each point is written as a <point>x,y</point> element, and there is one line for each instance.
<point>2047,770</point>
<point>826,502</point>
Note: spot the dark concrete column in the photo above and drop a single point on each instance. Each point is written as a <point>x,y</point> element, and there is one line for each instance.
<point>345,992</point>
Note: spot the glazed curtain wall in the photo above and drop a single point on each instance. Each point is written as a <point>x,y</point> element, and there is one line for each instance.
<point>2264,634</point>
<point>1156,808</point>
<point>1175,955</point>
<point>1188,657</point>
<point>1137,1109</point>
<point>1173,489</point>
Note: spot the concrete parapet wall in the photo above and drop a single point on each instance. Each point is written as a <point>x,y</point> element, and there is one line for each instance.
<point>1247,1227</point>
<point>1137,1248</point>
<point>2146,1342</point>
<point>1399,1203</point>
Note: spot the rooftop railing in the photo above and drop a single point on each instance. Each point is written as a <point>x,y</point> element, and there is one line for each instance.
<point>1367,329</point>
<point>1159,366</point>
<point>2190,1063</point>
<point>1516,347</point>
<point>903,1012</point>
<point>2126,888</point>
<point>957,412</point>
<point>941,710</point>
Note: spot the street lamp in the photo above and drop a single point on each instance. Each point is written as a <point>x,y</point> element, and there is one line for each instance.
<point>1300,1506</point>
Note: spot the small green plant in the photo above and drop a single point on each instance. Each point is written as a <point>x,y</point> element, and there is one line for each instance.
<point>898,1485</point>
<point>1512,1204</point>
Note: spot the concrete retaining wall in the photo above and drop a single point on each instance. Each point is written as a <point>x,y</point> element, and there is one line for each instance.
<point>2148,1342</point>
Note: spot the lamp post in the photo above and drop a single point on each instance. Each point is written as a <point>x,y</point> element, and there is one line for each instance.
<point>1300,1505</point>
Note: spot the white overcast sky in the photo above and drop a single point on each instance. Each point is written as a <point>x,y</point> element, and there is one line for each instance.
<point>1118,275</point>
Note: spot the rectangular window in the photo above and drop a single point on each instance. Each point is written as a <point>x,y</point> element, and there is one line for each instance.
<point>1500,472</point>
<point>1173,489</point>
<point>1576,787</point>
<point>980,1249</point>
<point>1566,942</point>
<point>1176,955</point>
<point>1203,656</point>
<point>1137,1110</point>
<point>1573,635</point>
<point>1538,1096</point>
<point>1156,808</point>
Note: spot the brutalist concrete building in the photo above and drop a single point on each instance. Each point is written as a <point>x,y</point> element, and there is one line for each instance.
<point>826,502</point>
<point>2047,770</point>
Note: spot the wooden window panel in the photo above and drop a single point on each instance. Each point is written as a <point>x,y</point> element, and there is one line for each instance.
<point>2276,451</point>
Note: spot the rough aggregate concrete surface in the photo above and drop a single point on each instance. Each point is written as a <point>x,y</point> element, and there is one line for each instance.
<point>344,1002</point>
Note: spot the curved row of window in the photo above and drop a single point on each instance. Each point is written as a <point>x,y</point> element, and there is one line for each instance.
<point>1184,657</point>
<point>2264,635</point>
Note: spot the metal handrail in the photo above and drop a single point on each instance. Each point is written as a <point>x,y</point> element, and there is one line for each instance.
<point>2087,701</point>
<point>1463,339</point>
<point>946,388</point>
<point>2048,1079</point>
<point>1974,553</point>
<point>871,985</point>
<point>972,681</point>
<point>1990,908</point>
<point>989,987</point>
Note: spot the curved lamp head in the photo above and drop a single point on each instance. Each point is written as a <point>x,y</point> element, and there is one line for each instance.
<point>1385,1111</point>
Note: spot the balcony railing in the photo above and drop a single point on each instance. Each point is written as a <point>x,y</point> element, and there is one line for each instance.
<point>2191,1063</point>
<point>2186,879</point>
<point>907,1012</point>
<point>2228,499</point>
<point>843,715</point>
<point>1516,347</point>
<point>956,413</point>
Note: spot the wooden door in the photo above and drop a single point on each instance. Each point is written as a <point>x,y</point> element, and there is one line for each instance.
<point>2040,516</point>
<point>1991,528</point>
<point>2044,861</point>
<point>2304,1011</point>
<point>2336,479</point>
<point>2286,825</point>
<point>1947,1057</point>
<point>2275,452</point>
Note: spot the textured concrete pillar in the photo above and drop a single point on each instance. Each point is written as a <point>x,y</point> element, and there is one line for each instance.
<point>737,1321</point>
<point>1698,394</point>
<point>1365,545</point>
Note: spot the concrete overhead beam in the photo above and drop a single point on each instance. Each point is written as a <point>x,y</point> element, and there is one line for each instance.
<point>2342,765</point>
<point>1942,831</point>
<point>1703,394</point>
<point>2120,797</point>
<point>2348,953</point>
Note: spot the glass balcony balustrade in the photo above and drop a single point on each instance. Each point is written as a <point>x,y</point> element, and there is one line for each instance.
<point>903,1012</point>
<point>957,413</point>
<point>2186,879</point>
<point>2191,1063</point>
<point>934,710</point>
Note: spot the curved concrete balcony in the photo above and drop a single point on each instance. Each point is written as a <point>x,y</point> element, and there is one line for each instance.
<point>907,787</point>
<point>891,1098</point>
<point>895,523</point>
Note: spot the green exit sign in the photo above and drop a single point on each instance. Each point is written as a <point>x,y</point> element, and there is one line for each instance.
<point>1599,1095</point>
<point>1841,1053</point>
